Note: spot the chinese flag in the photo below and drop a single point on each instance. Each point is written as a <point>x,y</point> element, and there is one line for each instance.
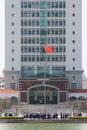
<point>48,48</point>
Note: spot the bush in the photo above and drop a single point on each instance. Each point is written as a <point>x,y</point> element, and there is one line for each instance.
<point>10,117</point>
<point>77,117</point>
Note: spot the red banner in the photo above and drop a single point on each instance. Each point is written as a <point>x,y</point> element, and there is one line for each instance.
<point>48,48</point>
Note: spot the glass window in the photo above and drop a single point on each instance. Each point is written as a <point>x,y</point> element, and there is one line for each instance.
<point>56,4</point>
<point>73,14</point>
<point>37,23</point>
<point>73,32</point>
<point>29,58</point>
<point>73,85</point>
<point>12,68</point>
<point>48,5</point>
<point>37,5</point>
<point>37,58</point>
<point>56,14</point>
<point>56,23</point>
<point>73,68</point>
<point>60,49</point>
<point>13,85</point>
<point>52,4</point>
<point>33,4</point>
<point>73,23</point>
<point>12,14</point>
<point>73,5</point>
<point>48,14</point>
<point>33,14</point>
<point>73,59</point>
<point>12,59</point>
<point>12,32</point>
<point>29,23</point>
<point>29,14</point>
<point>12,50</point>
<point>25,49</point>
<point>56,58</point>
<point>37,13</point>
<point>33,40</point>
<point>52,14</point>
<point>64,40</point>
<point>60,4</point>
<point>73,41</point>
<point>29,4</point>
<point>52,31</point>
<point>48,23</point>
<point>12,41</point>
<point>12,5</point>
<point>73,50</point>
<point>60,57</point>
<point>12,23</point>
<point>29,40</point>
<point>33,23</point>
<point>52,22</point>
<point>24,4</point>
<point>37,40</point>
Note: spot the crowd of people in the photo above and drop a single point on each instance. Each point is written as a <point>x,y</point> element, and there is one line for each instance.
<point>39,115</point>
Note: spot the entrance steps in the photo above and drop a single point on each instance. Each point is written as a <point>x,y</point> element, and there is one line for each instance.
<point>61,107</point>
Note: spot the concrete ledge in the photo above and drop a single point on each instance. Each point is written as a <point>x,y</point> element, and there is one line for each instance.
<point>43,121</point>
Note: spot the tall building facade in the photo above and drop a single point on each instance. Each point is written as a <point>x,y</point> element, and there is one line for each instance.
<point>30,25</point>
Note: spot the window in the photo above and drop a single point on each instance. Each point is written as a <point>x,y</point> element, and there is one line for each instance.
<point>12,59</point>
<point>12,5</point>
<point>12,68</point>
<point>73,59</point>
<point>12,85</point>
<point>73,68</point>
<point>12,41</point>
<point>12,23</point>
<point>12,14</point>
<point>73,41</point>
<point>73,77</point>
<point>73,14</point>
<point>73,23</point>
<point>73,85</point>
<point>12,50</point>
<point>73,50</point>
<point>12,32</point>
<point>12,77</point>
<point>73,32</point>
<point>73,5</point>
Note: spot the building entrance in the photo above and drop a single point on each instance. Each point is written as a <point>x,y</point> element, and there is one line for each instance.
<point>39,95</point>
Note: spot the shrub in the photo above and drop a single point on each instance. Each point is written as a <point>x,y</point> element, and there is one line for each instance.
<point>10,117</point>
<point>77,117</point>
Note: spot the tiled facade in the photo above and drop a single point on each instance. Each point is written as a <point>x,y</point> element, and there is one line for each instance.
<point>30,25</point>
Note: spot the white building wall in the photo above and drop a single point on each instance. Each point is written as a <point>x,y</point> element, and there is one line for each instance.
<point>12,49</point>
<point>9,19</point>
<point>84,82</point>
<point>74,67</point>
<point>16,55</point>
<point>77,10</point>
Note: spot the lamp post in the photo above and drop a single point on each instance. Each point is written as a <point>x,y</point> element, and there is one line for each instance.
<point>44,85</point>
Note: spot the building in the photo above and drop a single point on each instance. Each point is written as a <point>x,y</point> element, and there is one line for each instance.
<point>84,82</point>
<point>1,82</point>
<point>9,93</point>
<point>30,25</point>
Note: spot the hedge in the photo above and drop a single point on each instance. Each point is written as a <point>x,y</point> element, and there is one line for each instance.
<point>77,117</point>
<point>10,117</point>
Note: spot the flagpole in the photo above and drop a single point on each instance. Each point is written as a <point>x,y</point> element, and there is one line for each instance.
<point>49,50</point>
<point>44,83</point>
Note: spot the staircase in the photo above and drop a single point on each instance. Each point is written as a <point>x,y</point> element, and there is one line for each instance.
<point>61,107</point>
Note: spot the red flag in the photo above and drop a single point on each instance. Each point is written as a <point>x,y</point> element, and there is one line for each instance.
<point>48,48</point>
